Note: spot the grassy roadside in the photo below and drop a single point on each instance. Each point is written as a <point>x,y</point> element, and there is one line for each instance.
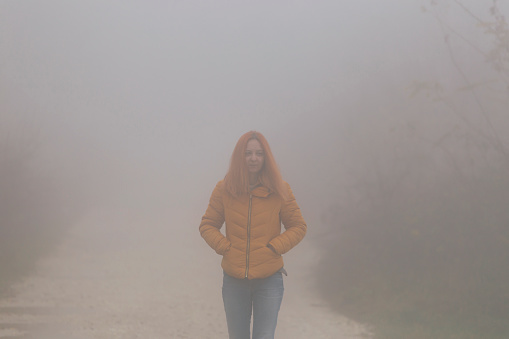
<point>400,321</point>
<point>426,263</point>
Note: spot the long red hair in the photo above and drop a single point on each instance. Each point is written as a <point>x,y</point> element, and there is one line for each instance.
<point>237,179</point>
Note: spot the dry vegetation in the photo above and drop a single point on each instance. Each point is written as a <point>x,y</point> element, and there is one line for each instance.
<point>420,247</point>
<point>32,218</point>
<point>433,257</point>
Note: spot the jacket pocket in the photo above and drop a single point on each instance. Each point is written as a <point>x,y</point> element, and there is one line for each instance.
<point>272,252</point>
<point>228,247</point>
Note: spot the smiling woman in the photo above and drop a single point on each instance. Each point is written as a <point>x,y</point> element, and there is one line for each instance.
<point>254,160</point>
<point>237,180</point>
<point>252,201</point>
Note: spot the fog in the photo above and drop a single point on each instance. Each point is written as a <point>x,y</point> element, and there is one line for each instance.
<point>160,91</point>
<point>135,107</point>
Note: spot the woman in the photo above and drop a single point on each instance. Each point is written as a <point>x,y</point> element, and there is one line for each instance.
<point>252,201</point>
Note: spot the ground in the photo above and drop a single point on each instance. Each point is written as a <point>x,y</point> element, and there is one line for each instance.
<point>107,280</point>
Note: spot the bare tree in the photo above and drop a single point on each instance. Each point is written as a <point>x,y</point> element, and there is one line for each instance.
<point>492,75</point>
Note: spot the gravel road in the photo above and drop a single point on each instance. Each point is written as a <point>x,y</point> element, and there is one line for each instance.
<point>112,279</point>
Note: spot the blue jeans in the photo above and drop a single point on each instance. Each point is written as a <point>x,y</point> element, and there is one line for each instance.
<point>259,297</point>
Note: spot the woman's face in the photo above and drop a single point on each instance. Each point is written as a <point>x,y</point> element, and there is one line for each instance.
<point>254,156</point>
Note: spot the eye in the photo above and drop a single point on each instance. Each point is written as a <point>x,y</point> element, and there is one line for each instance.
<point>260,154</point>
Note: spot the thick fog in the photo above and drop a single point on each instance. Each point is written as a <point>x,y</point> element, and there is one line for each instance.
<point>150,97</point>
<point>134,107</point>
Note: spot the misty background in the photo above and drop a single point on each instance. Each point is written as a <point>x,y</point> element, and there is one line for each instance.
<point>130,110</point>
<point>154,95</point>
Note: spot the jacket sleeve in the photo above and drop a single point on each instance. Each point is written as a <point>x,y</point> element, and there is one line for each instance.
<point>295,226</point>
<point>212,222</point>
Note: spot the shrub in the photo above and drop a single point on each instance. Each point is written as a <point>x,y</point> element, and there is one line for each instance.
<point>427,259</point>
<point>31,219</point>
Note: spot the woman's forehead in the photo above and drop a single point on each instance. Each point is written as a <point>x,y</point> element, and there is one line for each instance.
<point>253,144</point>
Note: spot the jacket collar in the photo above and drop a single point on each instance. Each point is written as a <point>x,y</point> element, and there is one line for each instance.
<point>260,191</point>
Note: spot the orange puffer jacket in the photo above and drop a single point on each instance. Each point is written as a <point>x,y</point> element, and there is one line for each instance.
<point>252,222</point>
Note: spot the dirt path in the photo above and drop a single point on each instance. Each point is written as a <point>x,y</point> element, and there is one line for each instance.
<point>108,282</point>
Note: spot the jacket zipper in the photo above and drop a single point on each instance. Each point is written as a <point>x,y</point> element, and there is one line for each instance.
<point>248,233</point>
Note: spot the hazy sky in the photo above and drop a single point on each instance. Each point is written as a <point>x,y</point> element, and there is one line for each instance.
<point>163,89</point>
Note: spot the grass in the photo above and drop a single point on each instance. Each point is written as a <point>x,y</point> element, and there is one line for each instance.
<point>427,263</point>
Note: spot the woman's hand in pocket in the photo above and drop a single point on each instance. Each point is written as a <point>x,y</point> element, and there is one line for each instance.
<point>272,249</point>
